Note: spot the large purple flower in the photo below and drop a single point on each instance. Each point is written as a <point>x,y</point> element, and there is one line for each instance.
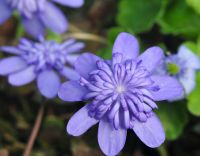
<point>121,92</point>
<point>43,61</point>
<point>38,14</point>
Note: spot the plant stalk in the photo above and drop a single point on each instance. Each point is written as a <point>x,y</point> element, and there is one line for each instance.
<point>35,131</point>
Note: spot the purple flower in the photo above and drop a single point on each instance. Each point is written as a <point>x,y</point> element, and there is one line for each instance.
<point>42,61</point>
<point>122,94</point>
<point>38,14</point>
<point>181,66</point>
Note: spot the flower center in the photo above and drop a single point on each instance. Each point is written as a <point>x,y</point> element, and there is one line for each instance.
<point>27,7</point>
<point>173,69</point>
<point>120,91</point>
<point>48,54</point>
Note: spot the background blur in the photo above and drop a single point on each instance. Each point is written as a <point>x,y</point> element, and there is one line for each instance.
<point>167,23</point>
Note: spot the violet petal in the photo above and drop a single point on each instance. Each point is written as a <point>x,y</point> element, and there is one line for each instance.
<point>127,45</point>
<point>72,91</point>
<point>111,141</point>
<point>151,132</point>
<point>48,83</point>
<point>22,77</point>
<point>80,122</point>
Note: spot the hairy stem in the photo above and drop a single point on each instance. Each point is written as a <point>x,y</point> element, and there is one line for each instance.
<point>35,131</point>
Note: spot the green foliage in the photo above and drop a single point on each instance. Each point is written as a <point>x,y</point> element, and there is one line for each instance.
<point>106,52</point>
<point>173,117</point>
<point>194,98</point>
<point>53,121</point>
<point>179,18</point>
<point>113,33</point>
<point>194,46</point>
<point>19,31</point>
<point>195,4</point>
<point>139,15</point>
<point>53,36</point>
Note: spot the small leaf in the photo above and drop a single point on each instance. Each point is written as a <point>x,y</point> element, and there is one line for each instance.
<point>173,117</point>
<point>139,15</point>
<point>194,98</point>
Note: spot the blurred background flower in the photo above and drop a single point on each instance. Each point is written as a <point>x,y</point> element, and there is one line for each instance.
<point>36,15</point>
<point>183,67</point>
<point>44,61</point>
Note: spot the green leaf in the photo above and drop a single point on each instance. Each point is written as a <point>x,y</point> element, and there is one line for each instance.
<point>179,18</point>
<point>193,46</point>
<point>195,4</point>
<point>139,15</point>
<point>53,36</point>
<point>106,52</point>
<point>173,117</point>
<point>194,98</point>
<point>112,34</point>
<point>19,31</point>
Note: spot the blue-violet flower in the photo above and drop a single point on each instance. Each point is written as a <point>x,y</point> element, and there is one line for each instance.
<point>181,66</point>
<point>38,14</point>
<point>121,94</point>
<point>44,61</point>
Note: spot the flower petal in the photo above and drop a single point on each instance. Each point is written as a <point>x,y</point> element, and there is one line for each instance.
<point>6,11</point>
<point>80,122</point>
<point>48,83</point>
<point>33,26</point>
<point>72,91</point>
<point>74,48</point>
<point>11,64</point>
<point>111,141</point>
<point>188,81</point>
<point>170,88</point>
<point>151,58</point>
<point>151,132</point>
<point>85,64</point>
<point>11,50</point>
<point>71,3</point>
<point>186,54</point>
<point>23,77</point>
<point>72,58</point>
<point>54,19</point>
<point>126,44</point>
<point>70,73</point>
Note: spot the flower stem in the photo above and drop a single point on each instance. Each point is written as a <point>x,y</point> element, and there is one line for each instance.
<point>35,131</point>
<point>163,150</point>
